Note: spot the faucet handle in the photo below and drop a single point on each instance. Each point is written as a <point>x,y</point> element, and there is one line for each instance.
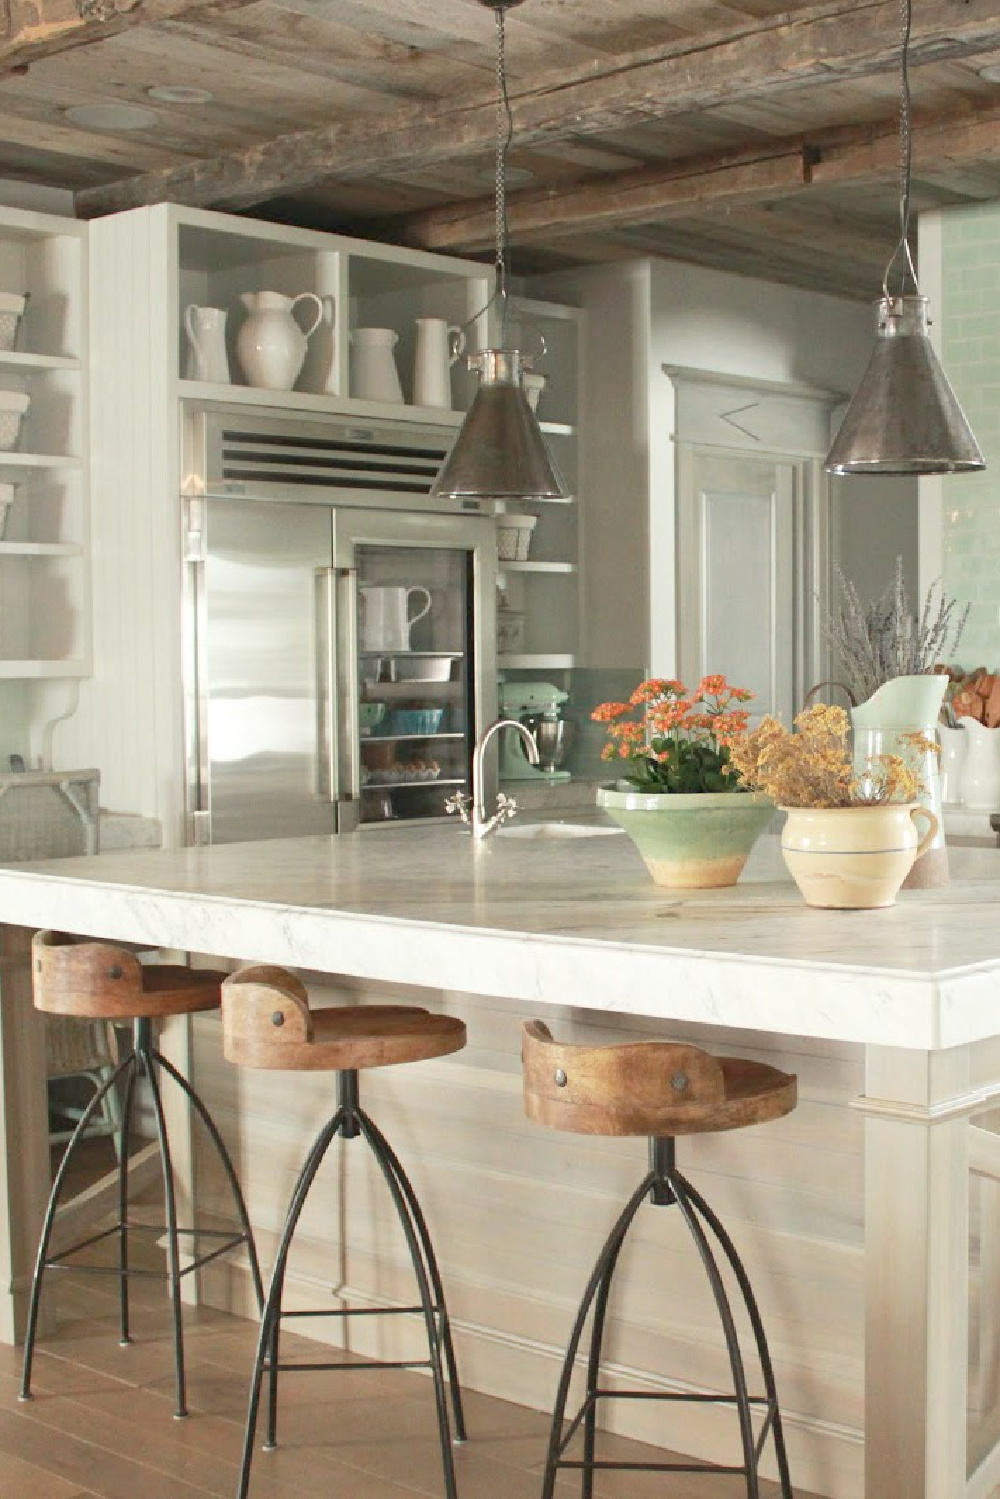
<point>505,809</point>
<point>458,802</point>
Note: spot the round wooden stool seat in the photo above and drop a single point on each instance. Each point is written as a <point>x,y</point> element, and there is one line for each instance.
<point>267,1022</point>
<point>97,981</point>
<point>653,1088</point>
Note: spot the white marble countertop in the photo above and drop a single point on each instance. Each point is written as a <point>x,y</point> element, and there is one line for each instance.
<point>575,922</point>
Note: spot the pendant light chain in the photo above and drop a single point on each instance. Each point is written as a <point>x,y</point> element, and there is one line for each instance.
<point>905,158</point>
<point>505,132</point>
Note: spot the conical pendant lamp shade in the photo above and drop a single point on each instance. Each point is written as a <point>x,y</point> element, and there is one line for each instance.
<point>904,417</point>
<point>500,452</point>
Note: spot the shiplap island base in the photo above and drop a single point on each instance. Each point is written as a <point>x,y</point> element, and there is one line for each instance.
<point>853,1214</point>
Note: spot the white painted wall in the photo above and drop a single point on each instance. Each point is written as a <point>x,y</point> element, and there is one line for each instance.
<point>14,194</point>
<point>649,313</point>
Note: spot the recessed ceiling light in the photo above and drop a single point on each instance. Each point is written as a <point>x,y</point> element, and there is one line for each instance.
<point>991,72</point>
<point>111,116</point>
<point>177,93</point>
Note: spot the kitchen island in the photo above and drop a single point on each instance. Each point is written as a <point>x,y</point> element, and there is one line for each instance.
<point>912,994</point>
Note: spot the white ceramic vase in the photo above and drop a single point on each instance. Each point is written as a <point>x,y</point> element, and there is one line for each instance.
<point>374,376</point>
<point>899,708</point>
<point>981,771</point>
<point>438,346</point>
<point>953,749</point>
<point>270,346</point>
<point>206,357</point>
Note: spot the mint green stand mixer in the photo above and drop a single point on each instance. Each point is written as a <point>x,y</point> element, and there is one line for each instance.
<point>539,707</point>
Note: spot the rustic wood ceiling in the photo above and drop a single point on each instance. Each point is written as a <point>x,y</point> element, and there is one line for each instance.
<point>757,135</point>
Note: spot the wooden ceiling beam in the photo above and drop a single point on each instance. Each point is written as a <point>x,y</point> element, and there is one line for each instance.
<point>32,29</point>
<point>841,39</point>
<point>869,154</point>
<point>613,201</point>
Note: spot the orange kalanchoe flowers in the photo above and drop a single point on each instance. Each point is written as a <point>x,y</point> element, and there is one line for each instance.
<point>679,742</point>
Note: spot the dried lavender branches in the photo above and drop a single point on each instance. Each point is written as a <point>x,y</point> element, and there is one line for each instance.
<point>882,640</point>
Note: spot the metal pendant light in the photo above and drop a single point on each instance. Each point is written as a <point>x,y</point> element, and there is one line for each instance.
<point>904,417</point>
<point>500,452</point>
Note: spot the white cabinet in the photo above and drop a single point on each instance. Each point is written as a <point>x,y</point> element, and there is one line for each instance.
<point>44,606</point>
<point>212,260</point>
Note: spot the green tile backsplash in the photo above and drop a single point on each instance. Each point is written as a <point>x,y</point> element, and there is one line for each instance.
<point>970,324</point>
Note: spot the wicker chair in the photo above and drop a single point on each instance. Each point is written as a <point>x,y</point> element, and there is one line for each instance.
<point>86,1049</point>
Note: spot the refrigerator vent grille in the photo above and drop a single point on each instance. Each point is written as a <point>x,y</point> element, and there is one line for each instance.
<point>348,461</point>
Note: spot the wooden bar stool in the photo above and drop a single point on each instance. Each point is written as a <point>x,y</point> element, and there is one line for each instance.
<point>267,1023</point>
<point>660,1090</point>
<point>96,981</point>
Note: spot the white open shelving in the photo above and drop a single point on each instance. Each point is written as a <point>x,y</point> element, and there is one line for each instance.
<point>45,612</point>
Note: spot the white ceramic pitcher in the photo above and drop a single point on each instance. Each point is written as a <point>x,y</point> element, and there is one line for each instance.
<point>981,771</point>
<point>386,620</point>
<point>374,376</point>
<point>270,345</point>
<point>206,356</point>
<point>438,346</point>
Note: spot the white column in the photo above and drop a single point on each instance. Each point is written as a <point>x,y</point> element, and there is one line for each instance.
<point>916,1273</point>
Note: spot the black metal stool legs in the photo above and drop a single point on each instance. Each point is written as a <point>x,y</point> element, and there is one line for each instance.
<point>763,1353</point>
<point>41,1259</point>
<point>433,1273</point>
<point>267,1341</point>
<point>126,1126</point>
<point>599,1282</point>
<point>665,1186</point>
<point>173,1252</point>
<point>143,1056</point>
<point>350,1121</point>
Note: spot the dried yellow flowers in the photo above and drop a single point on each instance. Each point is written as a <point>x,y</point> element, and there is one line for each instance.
<point>811,766</point>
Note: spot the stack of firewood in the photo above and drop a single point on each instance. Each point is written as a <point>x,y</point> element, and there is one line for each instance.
<point>974,695</point>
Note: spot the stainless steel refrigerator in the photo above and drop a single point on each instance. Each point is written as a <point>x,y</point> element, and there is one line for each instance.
<point>313,704</point>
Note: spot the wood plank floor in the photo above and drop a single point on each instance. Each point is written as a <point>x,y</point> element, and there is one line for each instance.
<point>100,1422</point>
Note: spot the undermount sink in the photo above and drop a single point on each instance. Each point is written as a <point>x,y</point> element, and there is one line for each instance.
<point>555,830</point>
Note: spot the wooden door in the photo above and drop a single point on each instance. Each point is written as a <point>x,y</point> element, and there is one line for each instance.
<point>738,538</point>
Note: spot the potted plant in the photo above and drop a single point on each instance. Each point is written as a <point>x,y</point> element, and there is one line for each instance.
<point>850,837</point>
<point>679,797</point>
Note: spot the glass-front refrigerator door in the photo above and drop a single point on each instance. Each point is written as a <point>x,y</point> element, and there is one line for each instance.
<point>417,678</point>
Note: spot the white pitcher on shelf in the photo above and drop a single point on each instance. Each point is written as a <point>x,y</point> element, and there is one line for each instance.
<point>439,344</point>
<point>206,356</point>
<point>270,345</point>
<point>374,376</point>
<point>386,620</point>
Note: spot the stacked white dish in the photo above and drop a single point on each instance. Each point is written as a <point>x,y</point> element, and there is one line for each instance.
<point>13,405</point>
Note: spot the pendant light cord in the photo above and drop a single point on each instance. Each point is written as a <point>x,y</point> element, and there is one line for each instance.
<point>905,160</point>
<point>505,134</point>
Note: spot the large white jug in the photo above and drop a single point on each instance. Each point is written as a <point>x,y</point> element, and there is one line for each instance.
<point>438,346</point>
<point>374,376</point>
<point>270,345</point>
<point>206,356</point>
<point>386,620</point>
<point>981,771</point>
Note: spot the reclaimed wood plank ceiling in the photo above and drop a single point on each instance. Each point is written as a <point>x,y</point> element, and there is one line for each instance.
<point>760,136</point>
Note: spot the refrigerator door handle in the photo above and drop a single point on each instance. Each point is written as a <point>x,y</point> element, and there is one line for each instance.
<point>327,739</point>
<point>346,674</point>
<point>338,771</point>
